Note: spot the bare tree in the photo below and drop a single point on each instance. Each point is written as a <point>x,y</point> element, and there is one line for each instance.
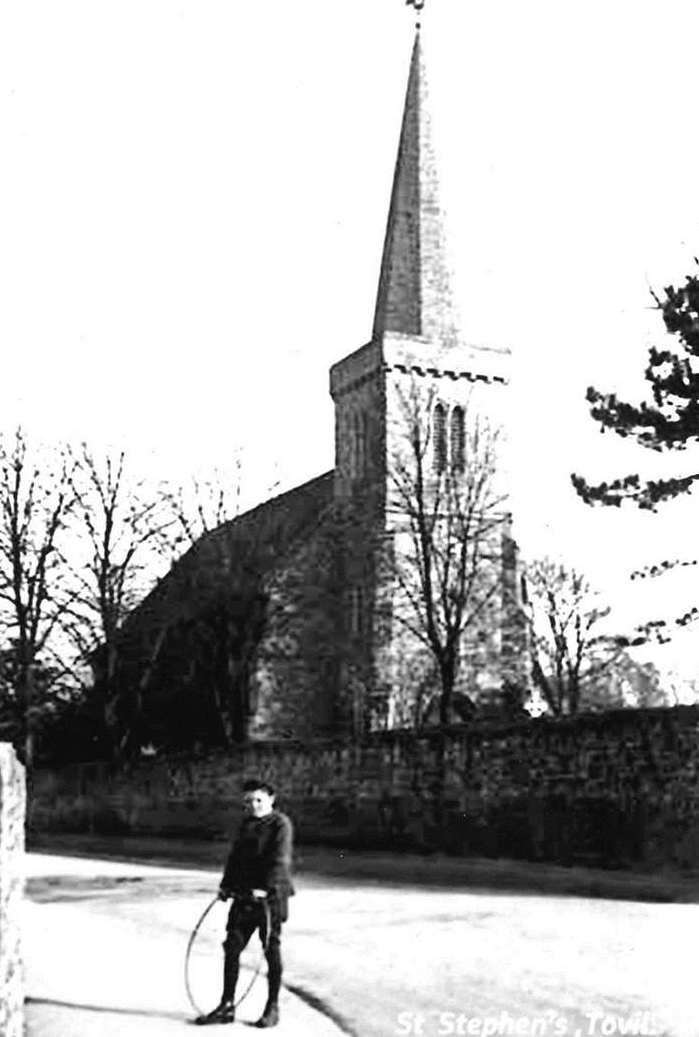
<point>449,521</point>
<point>222,634</point>
<point>570,649</point>
<point>53,691</point>
<point>120,527</point>
<point>203,503</point>
<point>35,505</point>
<point>630,683</point>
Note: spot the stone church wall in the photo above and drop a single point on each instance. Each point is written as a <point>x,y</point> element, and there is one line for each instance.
<point>12,803</point>
<point>295,663</point>
<point>608,789</point>
<point>357,388</point>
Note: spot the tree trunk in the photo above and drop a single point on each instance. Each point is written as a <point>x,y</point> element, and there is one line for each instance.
<point>446,672</point>
<point>29,726</point>
<point>110,703</point>
<point>29,740</point>
<point>573,696</point>
<point>447,675</point>
<point>439,805</point>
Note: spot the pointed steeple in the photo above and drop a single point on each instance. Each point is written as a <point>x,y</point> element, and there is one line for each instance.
<point>415,294</point>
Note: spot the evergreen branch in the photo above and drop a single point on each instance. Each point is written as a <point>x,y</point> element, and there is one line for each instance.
<point>646,496</point>
<point>661,568</point>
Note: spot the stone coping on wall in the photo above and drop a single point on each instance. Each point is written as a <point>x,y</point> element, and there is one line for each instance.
<point>492,727</point>
<point>684,716</point>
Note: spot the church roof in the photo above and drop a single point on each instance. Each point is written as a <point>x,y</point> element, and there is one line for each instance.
<point>232,557</point>
<point>415,295</point>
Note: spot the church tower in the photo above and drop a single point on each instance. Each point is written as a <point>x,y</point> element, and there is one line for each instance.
<point>417,352</point>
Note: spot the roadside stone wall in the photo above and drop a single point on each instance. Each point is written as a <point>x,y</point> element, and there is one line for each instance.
<point>12,807</point>
<point>608,789</point>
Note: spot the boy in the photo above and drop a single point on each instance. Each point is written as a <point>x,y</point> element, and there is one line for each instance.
<point>258,871</point>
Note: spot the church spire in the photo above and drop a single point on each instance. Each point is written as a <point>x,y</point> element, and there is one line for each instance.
<point>415,295</point>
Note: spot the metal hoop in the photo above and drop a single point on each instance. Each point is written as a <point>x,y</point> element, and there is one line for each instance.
<point>190,945</point>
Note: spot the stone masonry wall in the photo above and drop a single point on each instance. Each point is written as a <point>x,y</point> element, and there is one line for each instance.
<point>295,662</point>
<point>12,806</point>
<point>608,789</point>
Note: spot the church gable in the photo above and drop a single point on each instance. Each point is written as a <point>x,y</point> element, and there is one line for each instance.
<point>236,552</point>
<point>188,651</point>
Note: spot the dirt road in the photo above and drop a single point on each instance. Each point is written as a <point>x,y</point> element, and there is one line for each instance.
<point>371,959</point>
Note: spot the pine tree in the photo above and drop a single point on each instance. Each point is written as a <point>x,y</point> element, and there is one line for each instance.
<point>670,421</point>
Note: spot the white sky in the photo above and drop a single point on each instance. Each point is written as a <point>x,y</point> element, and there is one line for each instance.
<point>193,196</point>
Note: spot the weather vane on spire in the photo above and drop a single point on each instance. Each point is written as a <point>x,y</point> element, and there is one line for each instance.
<point>418,5</point>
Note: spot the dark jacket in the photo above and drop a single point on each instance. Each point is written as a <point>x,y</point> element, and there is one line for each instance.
<point>260,857</point>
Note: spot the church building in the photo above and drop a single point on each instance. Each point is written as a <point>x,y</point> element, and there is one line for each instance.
<point>286,620</point>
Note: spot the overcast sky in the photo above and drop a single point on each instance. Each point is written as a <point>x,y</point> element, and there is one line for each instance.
<point>193,197</point>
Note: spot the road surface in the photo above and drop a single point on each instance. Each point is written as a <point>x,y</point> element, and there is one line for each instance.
<point>105,943</point>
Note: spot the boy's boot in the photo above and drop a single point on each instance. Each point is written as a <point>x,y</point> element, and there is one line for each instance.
<point>223,1013</point>
<point>225,1010</point>
<point>270,1016</point>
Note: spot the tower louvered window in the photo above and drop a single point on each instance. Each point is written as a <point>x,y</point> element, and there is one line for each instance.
<point>458,443</point>
<point>440,438</point>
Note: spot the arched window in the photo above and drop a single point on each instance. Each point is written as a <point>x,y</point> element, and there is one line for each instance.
<point>458,440</point>
<point>440,438</point>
